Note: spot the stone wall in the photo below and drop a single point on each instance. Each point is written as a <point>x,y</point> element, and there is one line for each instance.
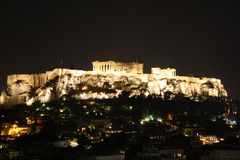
<point>168,72</point>
<point>29,78</point>
<point>34,80</point>
<point>37,80</point>
<point>63,71</point>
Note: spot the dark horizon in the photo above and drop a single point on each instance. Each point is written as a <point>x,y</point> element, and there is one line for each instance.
<point>199,39</point>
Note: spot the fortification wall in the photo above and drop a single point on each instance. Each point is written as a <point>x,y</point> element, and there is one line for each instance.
<point>168,72</point>
<point>39,79</point>
<point>35,80</point>
<point>62,71</point>
<point>29,78</point>
<point>188,79</point>
<point>197,79</point>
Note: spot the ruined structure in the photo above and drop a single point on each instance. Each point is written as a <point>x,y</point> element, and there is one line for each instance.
<point>37,80</point>
<point>168,72</point>
<point>112,66</point>
<point>108,79</point>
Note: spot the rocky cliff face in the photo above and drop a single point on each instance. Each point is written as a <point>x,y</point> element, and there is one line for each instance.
<point>107,86</point>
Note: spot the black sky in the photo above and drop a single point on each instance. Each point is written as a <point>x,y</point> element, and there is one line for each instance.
<point>200,39</point>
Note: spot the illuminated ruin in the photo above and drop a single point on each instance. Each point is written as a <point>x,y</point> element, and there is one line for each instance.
<point>109,79</point>
<point>112,66</point>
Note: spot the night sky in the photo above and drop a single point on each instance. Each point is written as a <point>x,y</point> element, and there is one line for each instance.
<point>195,38</point>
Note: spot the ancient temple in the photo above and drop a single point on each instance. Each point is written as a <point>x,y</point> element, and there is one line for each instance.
<point>123,67</point>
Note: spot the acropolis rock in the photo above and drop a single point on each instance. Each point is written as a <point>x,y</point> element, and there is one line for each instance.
<point>107,80</point>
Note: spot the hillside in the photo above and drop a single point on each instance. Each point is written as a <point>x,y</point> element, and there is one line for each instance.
<point>108,86</point>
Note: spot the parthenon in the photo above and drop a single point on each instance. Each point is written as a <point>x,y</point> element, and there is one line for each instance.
<point>111,66</point>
